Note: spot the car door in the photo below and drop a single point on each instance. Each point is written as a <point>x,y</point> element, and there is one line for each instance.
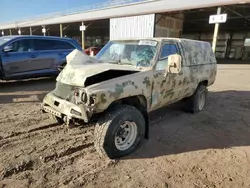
<point>45,55</point>
<point>17,61</point>
<point>167,87</point>
<point>62,49</point>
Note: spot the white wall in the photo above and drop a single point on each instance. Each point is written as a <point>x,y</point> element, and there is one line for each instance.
<point>132,27</point>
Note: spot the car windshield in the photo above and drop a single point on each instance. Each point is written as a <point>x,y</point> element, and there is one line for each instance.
<point>4,40</point>
<point>135,52</point>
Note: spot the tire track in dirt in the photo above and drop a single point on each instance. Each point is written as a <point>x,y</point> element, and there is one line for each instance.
<point>66,152</point>
<point>41,159</point>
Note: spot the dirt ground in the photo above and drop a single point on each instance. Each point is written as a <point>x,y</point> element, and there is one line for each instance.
<point>209,149</point>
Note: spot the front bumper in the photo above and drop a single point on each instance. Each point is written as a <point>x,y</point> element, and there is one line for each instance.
<point>61,108</point>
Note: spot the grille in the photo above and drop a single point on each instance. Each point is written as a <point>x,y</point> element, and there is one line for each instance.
<point>64,91</point>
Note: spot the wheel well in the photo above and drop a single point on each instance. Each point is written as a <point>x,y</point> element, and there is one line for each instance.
<point>204,82</point>
<point>140,103</point>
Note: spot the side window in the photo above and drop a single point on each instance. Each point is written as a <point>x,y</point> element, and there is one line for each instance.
<point>61,45</point>
<point>167,49</point>
<point>24,45</point>
<point>43,44</point>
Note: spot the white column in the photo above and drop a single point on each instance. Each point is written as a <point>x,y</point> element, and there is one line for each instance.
<point>61,30</point>
<point>83,46</point>
<point>44,30</point>
<point>216,29</point>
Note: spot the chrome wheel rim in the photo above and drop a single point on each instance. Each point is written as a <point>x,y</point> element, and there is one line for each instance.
<point>126,135</point>
<point>202,99</point>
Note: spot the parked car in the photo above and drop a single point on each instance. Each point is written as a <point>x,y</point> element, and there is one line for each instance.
<point>125,81</point>
<point>33,56</point>
<point>94,49</point>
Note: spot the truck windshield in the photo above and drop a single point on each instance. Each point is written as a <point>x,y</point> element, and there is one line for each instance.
<point>132,52</point>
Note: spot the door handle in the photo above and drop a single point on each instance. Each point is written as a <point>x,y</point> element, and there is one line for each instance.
<point>33,56</point>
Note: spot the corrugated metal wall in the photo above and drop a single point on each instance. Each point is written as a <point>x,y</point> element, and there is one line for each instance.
<point>132,27</point>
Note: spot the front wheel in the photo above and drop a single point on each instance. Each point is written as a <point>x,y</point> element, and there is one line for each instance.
<point>120,132</point>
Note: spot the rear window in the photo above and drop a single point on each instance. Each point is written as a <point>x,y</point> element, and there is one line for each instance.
<point>43,44</point>
<point>63,45</point>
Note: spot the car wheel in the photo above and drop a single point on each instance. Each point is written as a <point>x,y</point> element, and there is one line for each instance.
<point>197,101</point>
<point>120,132</point>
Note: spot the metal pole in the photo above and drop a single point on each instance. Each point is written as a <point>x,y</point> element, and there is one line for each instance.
<point>30,31</point>
<point>61,30</point>
<point>10,32</point>
<point>83,37</point>
<point>216,29</point>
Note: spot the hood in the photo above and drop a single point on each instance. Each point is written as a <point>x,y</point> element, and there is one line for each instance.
<point>83,70</point>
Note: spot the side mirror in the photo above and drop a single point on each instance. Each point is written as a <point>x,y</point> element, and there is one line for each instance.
<point>8,49</point>
<point>174,64</point>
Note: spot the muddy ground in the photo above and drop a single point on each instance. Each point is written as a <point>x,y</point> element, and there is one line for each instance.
<point>209,149</point>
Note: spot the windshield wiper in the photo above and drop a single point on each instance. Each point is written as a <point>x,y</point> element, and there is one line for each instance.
<point>115,62</point>
<point>125,63</point>
<point>119,62</point>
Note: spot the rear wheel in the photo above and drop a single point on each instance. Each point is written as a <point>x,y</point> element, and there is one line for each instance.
<point>197,101</point>
<point>120,132</point>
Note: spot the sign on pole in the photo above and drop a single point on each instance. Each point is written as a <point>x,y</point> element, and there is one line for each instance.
<point>44,30</point>
<point>247,42</point>
<point>82,28</point>
<point>218,18</point>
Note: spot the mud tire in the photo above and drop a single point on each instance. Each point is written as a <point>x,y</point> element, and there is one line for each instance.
<point>192,104</point>
<point>108,126</point>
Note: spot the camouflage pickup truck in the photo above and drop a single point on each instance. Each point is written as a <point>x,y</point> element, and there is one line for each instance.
<point>124,82</point>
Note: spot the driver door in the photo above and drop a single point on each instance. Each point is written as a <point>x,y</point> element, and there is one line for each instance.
<point>18,60</point>
<point>167,87</point>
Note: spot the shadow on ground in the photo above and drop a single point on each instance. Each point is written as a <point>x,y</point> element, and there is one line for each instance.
<point>7,99</point>
<point>225,123</point>
<point>40,84</point>
<point>24,91</point>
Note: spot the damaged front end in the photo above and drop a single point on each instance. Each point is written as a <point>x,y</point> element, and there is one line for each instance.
<point>71,99</point>
<point>69,103</point>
